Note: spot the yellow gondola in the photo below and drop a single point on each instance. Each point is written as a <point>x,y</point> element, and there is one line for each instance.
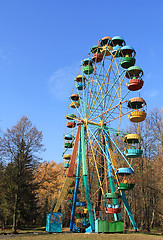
<point>75,104</point>
<point>137,116</point>
<point>132,138</point>
<point>80,78</point>
<point>108,50</point>
<point>67,156</point>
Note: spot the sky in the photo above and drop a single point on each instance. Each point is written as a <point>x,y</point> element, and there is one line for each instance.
<point>42,43</point>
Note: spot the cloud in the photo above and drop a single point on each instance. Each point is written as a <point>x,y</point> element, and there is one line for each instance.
<point>148,75</point>
<point>153,93</point>
<point>62,80</point>
<point>4,57</point>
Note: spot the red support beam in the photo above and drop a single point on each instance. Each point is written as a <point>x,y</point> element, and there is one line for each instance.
<point>74,154</point>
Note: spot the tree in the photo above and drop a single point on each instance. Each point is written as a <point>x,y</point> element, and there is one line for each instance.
<point>156,123</point>
<point>146,199</point>
<point>2,193</point>
<point>19,147</point>
<point>49,177</point>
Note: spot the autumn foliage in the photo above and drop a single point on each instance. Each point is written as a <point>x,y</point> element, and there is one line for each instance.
<point>49,177</point>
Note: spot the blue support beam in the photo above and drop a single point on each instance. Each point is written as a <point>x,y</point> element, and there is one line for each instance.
<point>128,210</point>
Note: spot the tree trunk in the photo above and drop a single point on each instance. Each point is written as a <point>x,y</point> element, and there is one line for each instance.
<point>14,225</point>
<point>153,217</point>
<point>124,218</point>
<point>4,223</point>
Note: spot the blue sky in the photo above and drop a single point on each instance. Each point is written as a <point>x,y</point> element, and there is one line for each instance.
<point>42,43</point>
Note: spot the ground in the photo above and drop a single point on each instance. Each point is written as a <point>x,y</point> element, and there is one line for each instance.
<point>40,234</point>
<point>81,236</point>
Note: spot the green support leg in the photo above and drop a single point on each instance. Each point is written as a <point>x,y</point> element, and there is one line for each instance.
<point>85,179</point>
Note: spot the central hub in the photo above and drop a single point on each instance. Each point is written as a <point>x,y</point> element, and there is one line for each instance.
<point>85,121</point>
<point>101,124</point>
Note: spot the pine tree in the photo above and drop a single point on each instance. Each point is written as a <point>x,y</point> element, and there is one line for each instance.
<point>19,148</point>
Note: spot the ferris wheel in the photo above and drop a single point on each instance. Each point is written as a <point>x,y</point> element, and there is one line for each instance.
<point>97,151</point>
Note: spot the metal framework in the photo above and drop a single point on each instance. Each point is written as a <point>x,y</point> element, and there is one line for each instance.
<point>99,111</point>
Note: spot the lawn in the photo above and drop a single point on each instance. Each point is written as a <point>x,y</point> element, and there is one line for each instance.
<point>80,236</point>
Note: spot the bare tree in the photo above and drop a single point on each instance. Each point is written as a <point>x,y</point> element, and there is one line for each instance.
<point>146,201</point>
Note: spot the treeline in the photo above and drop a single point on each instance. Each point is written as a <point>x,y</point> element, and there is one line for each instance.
<point>146,199</point>
<point>29,186</point>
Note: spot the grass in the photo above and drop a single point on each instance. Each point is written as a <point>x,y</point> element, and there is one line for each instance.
<point>40,234</point>
<point>79,236</point>
<point>82,236</point>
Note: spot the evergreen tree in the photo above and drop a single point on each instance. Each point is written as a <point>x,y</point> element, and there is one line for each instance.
<point>19,148</point>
